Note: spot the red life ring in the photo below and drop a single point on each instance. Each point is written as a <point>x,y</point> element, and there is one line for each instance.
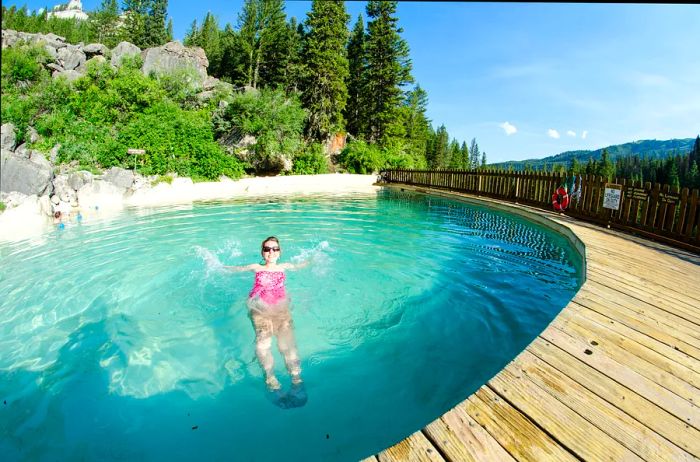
<point>560,199</point>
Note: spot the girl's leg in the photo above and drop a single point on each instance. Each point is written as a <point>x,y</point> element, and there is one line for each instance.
<point>288,346</point>
<point>263,348</point>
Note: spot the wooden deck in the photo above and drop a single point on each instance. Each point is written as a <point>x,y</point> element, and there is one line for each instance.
<point>616,376</point>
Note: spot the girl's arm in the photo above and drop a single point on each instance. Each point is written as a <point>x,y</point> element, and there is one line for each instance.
<point>251,267</point>
<point>293,266</point>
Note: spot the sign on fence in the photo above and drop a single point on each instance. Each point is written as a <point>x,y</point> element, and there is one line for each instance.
<point>640,194</point>
<point>613,194</point>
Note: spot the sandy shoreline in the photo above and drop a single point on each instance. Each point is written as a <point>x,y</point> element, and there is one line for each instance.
<point>29,219</point>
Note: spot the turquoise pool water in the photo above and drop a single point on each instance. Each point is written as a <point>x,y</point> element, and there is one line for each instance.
<point>122,339</point>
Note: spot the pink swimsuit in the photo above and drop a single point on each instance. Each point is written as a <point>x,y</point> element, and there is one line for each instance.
<point>269,287</point>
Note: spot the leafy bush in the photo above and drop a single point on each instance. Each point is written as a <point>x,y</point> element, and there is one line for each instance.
<point>275,121</point>
<point>360,157</point>
<point>181,86</point>
<point>311,161</point>
<point>23,63</point>
<point>175,141</point>
<point>2,206</point>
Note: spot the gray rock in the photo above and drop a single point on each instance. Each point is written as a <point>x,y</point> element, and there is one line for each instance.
<point>173,57</point>
<point>53,154</point>
<point>95,49</point>
<point>122,50</point>
<point>119,177</point>
<point>69,75</point>
<point>22,151</point>
<point>71,57</point>
<point>55,67</point>
<point>32,135</point>
<point>78,179</point>
<point>205,95</point>
<point>28,176</point>
<point>55,41</point>
<point>51,51</point>
<point>98,59</point>
<point>7,137</point>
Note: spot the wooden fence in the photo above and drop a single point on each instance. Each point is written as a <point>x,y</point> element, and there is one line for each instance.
<point>656,211</point>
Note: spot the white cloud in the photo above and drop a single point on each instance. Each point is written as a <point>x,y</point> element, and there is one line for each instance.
<point>584,134</point>
<point>571,133</point>
<point>508,128</point>
<point>553,133</point>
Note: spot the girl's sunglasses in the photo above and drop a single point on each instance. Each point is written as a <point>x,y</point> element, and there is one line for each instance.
<point>271,249</point>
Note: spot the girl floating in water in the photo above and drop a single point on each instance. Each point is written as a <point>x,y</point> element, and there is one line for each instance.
<point>269,311</point>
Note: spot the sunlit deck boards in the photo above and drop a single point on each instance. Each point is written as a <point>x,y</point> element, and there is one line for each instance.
<point>616,376</point>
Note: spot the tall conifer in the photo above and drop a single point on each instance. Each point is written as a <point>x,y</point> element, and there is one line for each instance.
<point>388,67</point>
<point>355,114</point>
<point>324,92</point>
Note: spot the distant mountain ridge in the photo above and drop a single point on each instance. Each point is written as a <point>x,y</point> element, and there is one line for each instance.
<point>643,148</point>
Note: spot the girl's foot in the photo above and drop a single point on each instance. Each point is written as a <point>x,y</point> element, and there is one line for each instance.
<point>272,383</point>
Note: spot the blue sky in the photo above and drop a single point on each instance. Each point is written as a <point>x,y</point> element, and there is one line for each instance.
<point>528,80</point>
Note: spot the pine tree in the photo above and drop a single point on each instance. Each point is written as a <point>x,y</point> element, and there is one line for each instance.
<point>103,23</point>
<point>208,38</point>
<point>417,125</point>
<point>693,175</point>
<point>155,33</point>
<point>261,42</point>
<point>134,29</point>
<point>464,156</point>
<point>474,154</point>
<point>354,113</point>
<point>293,70</point>
<point>483,159</point>
<point>324,93</point>
<point>388,67</point>
<point>169,31</point>
<point>605,167</point>
<point>191,35</point>
<point>442,139</point>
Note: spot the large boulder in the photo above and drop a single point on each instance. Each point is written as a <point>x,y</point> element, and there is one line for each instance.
<point>7,137</point>
<point>119,177</point>
<point>28,176</point>
<point>69,75</point>
<point>121,50</point>
<point>173,57</point>
<point>95,49</point>
<point>71,57</point>
<point>100,195</point>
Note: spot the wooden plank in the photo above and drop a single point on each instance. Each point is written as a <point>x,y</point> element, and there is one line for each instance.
<point>682,290</point>
<point>632,379</point>
<point>641,338</point>
<point>638,438</point>
<point>691,214</point>
<point>461,438</point>
<point>571,430</point>
<point>641,323</point>
<point>625,351</point>
<point>644,303</point>
<point>370,459</point>
<point>415,448</point>
<point>649,413</point>
<point>517,434</point>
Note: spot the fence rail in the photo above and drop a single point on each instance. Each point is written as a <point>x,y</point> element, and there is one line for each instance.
<point>656,211</point>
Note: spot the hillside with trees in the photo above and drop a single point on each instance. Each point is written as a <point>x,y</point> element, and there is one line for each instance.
<point>298,90</point>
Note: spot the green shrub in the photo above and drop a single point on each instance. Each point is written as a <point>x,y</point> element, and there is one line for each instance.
<point>23,63</point>
<point>2,206</point>
<point>175,141</point>
<point>360,157</point>
<point>162,179</point>
<point>311,161</point>
<point>275,120</point>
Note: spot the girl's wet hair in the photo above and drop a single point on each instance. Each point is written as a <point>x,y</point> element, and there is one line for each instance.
<point>271,238</point>
<point>57,214</point>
